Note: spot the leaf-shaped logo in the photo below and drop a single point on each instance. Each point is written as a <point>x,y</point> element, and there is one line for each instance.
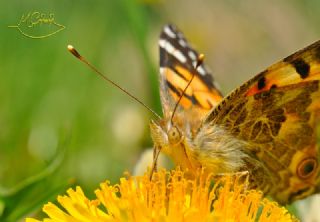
<point>38,25</point>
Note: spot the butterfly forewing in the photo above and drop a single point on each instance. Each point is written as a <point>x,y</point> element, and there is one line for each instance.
<point>177,65</point>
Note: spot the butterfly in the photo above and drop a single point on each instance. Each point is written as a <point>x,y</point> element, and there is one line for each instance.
<point>266,127</point>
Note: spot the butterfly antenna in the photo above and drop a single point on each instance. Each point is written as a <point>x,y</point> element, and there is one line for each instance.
<point>81,58</point>
<point>199,62</point>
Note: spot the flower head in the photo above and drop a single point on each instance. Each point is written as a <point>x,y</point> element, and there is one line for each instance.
<point>169,196</point>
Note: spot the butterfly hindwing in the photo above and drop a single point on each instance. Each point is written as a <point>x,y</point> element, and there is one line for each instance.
<point>177,62</point>
<point>277,113</point>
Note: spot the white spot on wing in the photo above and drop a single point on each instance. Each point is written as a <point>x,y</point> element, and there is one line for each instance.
<point>183,43</point>
<point>171,50</point>
<point>192,55</point>
<point>201,70</point>
<point>166,45</point>
<point>169,32</point>
<point>179,56</point>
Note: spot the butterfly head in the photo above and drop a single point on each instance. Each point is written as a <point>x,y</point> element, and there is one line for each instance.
<point>166,135</point>
<point>170,138</point>
<point>174,135</point>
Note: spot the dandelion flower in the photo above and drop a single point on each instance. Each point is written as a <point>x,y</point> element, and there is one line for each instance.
<point>169,196</point>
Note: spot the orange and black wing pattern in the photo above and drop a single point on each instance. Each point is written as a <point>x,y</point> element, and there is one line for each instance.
<point>177,65</point>
<point>277,113</point>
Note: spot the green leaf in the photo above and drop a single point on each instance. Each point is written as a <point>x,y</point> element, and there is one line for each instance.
<point>33,192</point>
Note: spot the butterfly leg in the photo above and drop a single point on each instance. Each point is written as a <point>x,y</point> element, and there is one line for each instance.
<point>154,161</point>
<point>156,152</point>
<point>242,176</point>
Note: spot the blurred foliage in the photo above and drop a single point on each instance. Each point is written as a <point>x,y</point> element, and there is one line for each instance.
<point>44,90</point>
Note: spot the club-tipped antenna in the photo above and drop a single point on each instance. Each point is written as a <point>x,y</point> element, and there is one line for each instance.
<point>81,58</point>
<point>199,62</point>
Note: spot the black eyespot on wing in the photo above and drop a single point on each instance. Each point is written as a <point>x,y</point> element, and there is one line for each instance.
<point>301,67</point>
<point>307,168</point>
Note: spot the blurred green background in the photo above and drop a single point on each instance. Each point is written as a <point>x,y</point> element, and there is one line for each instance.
<point>61,125</point>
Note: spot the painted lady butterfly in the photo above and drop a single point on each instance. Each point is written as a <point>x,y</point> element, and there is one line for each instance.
<point>267,126</point>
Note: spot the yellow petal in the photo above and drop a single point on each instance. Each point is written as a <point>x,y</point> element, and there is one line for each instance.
<point>169,196</point>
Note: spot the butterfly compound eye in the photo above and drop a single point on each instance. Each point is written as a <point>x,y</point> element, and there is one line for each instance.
<point>174,135</point>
